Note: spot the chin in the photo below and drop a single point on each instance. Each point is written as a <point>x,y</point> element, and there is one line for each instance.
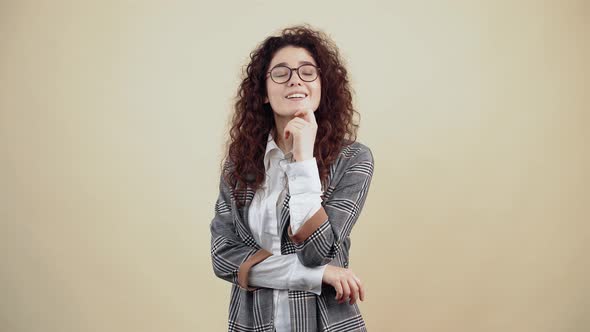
<point>286,113</point>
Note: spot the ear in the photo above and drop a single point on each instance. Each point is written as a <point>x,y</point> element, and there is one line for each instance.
<point>266,100</point>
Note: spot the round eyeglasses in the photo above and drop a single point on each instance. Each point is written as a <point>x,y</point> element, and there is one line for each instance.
<point>306,72</point>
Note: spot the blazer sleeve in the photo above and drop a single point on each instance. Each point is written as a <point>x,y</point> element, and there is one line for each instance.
<point>232,258</point>
<point>320,238</point>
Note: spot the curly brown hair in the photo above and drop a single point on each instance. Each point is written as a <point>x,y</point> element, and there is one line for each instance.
<point>253,120</point>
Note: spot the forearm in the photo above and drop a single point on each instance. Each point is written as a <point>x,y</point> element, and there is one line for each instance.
<point>319,239</point>
<point>286,272</point>
<point>305,190</point>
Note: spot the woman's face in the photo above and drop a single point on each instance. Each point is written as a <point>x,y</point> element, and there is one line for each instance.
<point>279,94</point>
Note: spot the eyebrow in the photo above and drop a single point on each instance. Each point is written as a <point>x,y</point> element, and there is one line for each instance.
<point>300,63</point>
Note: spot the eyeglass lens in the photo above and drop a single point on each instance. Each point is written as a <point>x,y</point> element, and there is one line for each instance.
<point>282,74</point>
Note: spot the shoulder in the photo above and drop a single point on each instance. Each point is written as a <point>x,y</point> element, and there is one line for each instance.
<point>356,151</point>
<point>354,156</point>
<point>226,178</point>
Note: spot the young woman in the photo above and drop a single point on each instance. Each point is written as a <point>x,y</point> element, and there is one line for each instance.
<point>293,184</point>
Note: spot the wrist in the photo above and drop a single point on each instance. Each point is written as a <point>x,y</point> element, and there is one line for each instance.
<point>302,157</point>
<point>326,275</point>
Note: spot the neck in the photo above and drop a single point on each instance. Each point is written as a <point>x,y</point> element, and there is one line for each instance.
<point>280,124</point>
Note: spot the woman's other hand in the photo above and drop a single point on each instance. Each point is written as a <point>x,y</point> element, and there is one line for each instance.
<point>345,282</point>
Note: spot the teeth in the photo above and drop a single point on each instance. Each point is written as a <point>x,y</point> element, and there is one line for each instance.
<point>296,95</point>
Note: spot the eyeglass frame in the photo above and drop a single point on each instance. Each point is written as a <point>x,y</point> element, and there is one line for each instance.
<point>294,69</point>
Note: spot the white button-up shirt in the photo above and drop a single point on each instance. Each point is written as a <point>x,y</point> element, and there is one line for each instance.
<point>284,272</point>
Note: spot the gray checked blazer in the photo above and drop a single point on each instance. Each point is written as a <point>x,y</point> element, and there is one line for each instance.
<point>325,241</point>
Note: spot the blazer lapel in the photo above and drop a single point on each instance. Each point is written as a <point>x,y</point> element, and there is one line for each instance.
<point>241,220</point>
<point>284,214</point>
<point>246,207</point>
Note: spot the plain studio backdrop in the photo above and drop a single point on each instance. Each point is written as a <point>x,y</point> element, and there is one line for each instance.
<point>112,125</point>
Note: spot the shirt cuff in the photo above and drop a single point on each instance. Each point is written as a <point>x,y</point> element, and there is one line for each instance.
<point>303,177</point>
<point>307,278</point>
<point>302,211</point>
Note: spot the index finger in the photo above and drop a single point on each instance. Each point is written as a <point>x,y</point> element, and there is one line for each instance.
<point>306,114</point>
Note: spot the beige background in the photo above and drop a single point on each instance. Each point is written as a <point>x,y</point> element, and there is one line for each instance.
<point>112,119</point>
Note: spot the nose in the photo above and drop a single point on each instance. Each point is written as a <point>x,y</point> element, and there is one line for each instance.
<point>294,79</point>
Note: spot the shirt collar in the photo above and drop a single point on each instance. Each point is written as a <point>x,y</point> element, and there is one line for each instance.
<point>271,145</point>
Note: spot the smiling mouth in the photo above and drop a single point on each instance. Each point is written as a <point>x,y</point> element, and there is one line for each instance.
<point>297,99</point>
<point>296,96</point>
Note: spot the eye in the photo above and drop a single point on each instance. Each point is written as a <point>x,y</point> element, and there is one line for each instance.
<point>279,72</point>
<point>308,70</point>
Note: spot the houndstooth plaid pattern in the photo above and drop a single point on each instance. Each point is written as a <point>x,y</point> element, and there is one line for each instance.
<point>232,244</point>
